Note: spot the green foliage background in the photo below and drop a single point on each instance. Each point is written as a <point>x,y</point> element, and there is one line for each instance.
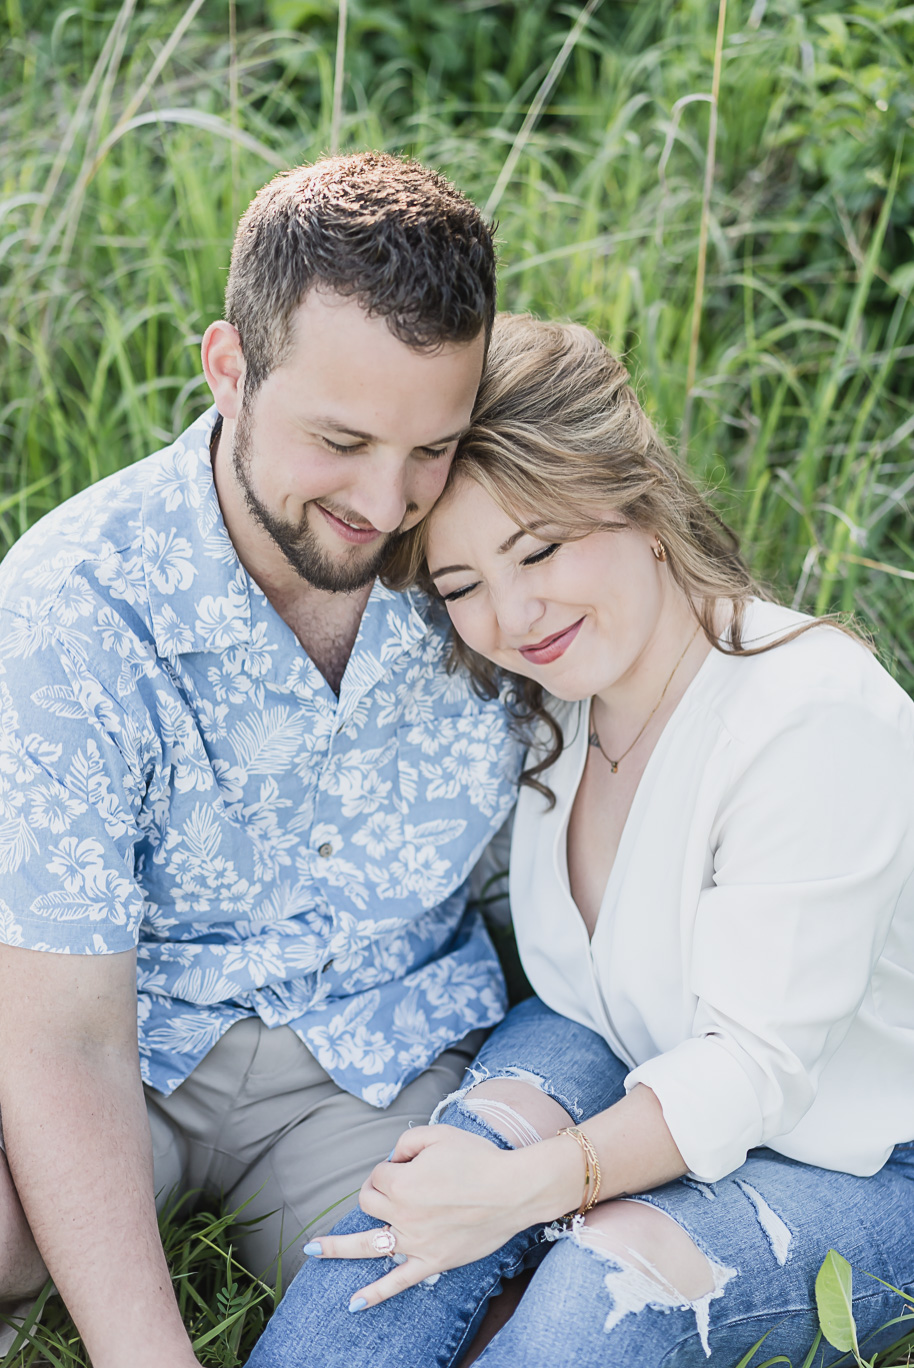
<point>129,144</point>
<point>132,136</point>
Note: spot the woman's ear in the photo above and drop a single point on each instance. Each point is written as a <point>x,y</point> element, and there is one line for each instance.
<point>223,366</point>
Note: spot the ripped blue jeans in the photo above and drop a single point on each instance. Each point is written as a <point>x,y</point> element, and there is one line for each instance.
<point>764,1229</point>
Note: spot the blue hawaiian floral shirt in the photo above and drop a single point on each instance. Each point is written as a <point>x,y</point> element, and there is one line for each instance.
<point>177,775</point>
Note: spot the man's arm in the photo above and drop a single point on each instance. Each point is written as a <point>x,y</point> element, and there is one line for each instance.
<point>79,1149</point>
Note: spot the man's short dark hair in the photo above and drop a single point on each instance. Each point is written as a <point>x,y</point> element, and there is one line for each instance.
<point>384,230</point>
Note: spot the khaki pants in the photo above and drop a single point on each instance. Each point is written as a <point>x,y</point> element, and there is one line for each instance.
<point>259,1118</point>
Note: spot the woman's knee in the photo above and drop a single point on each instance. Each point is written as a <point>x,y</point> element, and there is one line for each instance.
<point>521,1112</point>
<point>653,1244</point>
<point>513,1108</point>
<point>593,1306</point>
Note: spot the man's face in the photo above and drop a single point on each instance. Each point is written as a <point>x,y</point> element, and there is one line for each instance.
<point>349,441</point>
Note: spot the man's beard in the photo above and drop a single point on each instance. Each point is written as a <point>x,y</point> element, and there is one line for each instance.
<point>298,541</point>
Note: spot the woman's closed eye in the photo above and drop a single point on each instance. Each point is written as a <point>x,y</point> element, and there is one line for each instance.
<point>539,556</point>
<point>456,594</point>
<point>536,558</point>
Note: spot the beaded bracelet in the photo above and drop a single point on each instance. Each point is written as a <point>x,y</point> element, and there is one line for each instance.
<point>592,1174</point>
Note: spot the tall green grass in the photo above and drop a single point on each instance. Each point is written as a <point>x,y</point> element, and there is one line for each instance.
<point>132,136</point>
<point>223,1306</point>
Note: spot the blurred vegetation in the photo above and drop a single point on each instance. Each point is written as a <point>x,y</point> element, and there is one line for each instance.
<point>132,136</point>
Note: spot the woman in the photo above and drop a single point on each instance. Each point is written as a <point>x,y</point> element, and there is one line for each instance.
<point>711,885</point>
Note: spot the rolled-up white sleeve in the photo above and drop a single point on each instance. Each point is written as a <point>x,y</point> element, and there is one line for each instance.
<point>813,845</point>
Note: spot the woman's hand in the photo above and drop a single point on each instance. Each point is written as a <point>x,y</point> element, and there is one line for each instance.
<point>449,1197</point>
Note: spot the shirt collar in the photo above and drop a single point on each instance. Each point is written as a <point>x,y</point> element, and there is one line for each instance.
<point>202,599</point>
<point>198,591</point>
<point>391,625</point>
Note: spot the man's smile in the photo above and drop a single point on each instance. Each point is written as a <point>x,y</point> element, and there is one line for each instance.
<point>357,536</point>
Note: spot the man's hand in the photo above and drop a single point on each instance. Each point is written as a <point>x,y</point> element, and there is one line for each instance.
<point>79,1150</point>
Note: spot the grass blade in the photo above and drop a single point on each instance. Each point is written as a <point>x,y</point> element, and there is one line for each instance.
<point>710,162</point>
<point>339,76</point>
<point>536,108</point>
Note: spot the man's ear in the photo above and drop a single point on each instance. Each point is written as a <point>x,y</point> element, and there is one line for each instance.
<point>223,366</point>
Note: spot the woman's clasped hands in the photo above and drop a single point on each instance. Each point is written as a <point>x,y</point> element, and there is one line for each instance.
<point>449,1199</point>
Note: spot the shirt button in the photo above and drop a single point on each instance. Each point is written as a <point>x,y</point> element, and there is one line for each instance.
<point>325,850</point>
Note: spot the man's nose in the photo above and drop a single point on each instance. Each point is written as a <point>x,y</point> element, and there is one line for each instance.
<point>381,494</point>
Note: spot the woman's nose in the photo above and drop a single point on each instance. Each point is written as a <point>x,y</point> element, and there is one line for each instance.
<point>518,613</point>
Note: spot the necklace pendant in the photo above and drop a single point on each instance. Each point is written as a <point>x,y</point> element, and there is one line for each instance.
<point>614,767</point>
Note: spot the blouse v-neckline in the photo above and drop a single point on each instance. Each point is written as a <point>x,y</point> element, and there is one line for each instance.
<point>576,753</point>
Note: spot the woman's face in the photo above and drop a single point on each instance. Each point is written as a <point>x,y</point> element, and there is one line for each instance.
<point>580,617</point>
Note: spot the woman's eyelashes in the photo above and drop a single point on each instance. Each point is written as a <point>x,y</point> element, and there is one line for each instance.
<point>539,556</point>
<point>536,559</point>
<point>458,593</point>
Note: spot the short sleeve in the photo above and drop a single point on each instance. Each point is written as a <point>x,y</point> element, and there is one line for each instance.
<point>71,791</point>
<point>813,847</point>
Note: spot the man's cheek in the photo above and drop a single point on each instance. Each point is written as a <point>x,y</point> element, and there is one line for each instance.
<point>431,484</point>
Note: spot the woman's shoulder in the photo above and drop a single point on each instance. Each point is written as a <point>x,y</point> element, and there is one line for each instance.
<point>822,667</point>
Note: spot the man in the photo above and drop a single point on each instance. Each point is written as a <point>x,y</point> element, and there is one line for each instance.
<point>240,793</point>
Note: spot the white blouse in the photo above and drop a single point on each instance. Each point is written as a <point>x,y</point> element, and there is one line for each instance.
<point>753,960</point>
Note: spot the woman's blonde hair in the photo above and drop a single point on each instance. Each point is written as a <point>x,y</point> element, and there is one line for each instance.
<point>558,435</point>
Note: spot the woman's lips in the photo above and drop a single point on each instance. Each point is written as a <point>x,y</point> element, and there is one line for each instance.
<point>357,535</point>
<point>551,647</point>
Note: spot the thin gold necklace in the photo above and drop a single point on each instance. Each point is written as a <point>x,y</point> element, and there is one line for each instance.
<point>594,738</point>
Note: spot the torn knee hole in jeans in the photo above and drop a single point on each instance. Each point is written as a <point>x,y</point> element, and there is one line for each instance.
<point>505,1119</point>
<point>635,1284</point>
<point>495,1115</point>
<point>487,1107</point>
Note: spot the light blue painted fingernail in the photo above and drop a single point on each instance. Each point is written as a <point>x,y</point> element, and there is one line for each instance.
<point>313,1249</point>
<point>392,1153</point>
<point>358,1304</point>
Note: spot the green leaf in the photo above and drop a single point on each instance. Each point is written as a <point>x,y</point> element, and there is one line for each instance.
<point>902,279</point>
<point>836,29</point>
<point>834,1303</point>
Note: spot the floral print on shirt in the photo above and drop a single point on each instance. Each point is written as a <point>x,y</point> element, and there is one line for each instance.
<point>177,776</point>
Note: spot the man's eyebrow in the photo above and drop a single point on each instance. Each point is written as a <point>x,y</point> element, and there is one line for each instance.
<point>505,546</point>
<point>334,425</point>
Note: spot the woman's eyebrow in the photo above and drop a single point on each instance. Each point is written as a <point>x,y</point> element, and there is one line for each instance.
<point>446,570</point>
<point>505,546</point>
<point>521,532</point>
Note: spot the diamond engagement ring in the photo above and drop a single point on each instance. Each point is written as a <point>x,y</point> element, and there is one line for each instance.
<point>384,1241</point>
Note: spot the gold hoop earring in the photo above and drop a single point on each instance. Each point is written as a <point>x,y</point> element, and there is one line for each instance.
<point>659,550</point>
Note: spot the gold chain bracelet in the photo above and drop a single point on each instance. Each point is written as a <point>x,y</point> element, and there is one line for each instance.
<point>592,1174</point>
